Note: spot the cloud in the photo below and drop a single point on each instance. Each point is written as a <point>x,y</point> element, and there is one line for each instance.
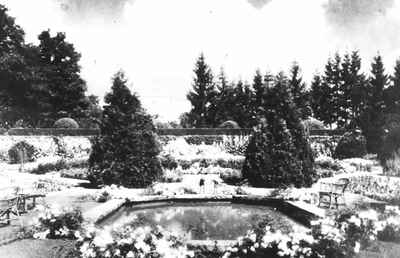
<point>87,9</point>
<point>354,13</point>
<point>259,4</point>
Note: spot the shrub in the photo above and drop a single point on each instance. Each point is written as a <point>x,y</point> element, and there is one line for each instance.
<point>389,155</point>
<point>58,165</point>
<point>67,123</point>
<point>231,176</point>
<point>229,125</point>
<point>351,145</point>
<point>21,151</point>
<point>273,161</point>
<point>126,151</point>
<point>168,162</point>
<point>54,223</point>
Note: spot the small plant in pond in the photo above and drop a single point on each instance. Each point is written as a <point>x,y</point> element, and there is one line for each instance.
<point>126,151</point>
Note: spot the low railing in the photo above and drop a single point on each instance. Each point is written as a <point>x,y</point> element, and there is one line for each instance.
<point>172,132</point>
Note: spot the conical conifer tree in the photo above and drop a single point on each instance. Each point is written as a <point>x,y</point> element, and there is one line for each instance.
<point>126,151</point>
<point>279,154</point>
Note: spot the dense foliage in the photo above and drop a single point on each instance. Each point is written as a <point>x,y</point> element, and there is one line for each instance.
<point>126,151</point>
<point>39,83</point>
<point>278,154</point>
<point>21,152</point>
<point>351,145</point>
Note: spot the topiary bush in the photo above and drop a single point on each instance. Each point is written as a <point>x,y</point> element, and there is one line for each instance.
<point>22,151</point>
<point>278,154</point>
<point>352,145</point>
<point>126,151</point>
<point>229,125</point>
<point>67,123</point>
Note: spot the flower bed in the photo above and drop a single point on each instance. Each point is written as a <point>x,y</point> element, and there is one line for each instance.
<point>377,187</point>
<point>341,236</point>
<point>74,146</point>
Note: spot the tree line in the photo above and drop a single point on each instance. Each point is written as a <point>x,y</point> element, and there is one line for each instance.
<point>342,96</point>
<point>40,83</point>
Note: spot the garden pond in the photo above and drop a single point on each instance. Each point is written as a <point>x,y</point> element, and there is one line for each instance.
<point>203,220</point>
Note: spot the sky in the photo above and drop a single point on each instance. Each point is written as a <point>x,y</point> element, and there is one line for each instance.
<point>156,42</point>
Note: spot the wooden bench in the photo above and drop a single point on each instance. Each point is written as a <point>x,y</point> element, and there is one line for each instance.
<point>17,205</point>
<point>333,191</point>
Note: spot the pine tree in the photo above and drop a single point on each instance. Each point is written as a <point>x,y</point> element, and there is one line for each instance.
<point>126,151</point>
<point>332,86</point>
<point>392,94</point>
<point>372,119</point>
<point>318,97</point>
<point>222,113</point>
<point>299,92</point>
<point>202,95</point>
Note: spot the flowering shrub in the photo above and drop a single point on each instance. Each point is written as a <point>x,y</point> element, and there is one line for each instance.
<point>132,242</point>
<point>323,145</point>
<point>180,153</point>
<point>343,236</point>
<point>377,187</point>
<point>54,222</point>
<point>236,145</point>
<point>46,185</point>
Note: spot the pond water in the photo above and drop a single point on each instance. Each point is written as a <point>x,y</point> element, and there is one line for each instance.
<point>203,221</point>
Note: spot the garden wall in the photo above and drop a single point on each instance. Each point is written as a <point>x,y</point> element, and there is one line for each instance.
<point>174,132</point>
<point>77,141</point>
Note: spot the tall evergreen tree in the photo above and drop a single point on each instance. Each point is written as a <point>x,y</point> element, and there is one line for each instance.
<point>221,99</point>
<point>299,91</point>
<point>202,95</point>
<point>372,119</point>
<point>126,151</point>
<point>357,88</point>
<point>332,85</point>
<point>241,110</point>
<point>392,94</point>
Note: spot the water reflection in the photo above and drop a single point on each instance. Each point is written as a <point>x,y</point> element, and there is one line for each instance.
<point>201,221</point>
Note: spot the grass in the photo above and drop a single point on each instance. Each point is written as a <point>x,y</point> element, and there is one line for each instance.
<point>31,248</point>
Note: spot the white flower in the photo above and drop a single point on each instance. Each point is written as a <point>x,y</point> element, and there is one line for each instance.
<point>130,254</point>
<point>103,239</point>
<point>357,247</point>
<point>353,219</point>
